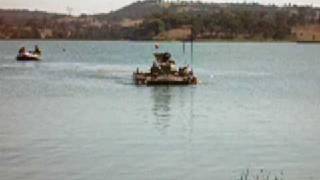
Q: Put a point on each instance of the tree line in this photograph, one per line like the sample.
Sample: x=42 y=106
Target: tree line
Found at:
x=227 y=23
x=231 y=24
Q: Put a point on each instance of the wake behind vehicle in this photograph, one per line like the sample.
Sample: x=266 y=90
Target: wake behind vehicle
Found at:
x=24 y=55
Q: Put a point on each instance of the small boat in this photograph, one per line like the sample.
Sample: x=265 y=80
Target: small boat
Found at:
x=23 y=55
x=28 y=57
x=165 y=72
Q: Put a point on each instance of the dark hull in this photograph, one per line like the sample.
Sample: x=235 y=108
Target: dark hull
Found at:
x=28 y=58
x=166 y=83
x=147 y=79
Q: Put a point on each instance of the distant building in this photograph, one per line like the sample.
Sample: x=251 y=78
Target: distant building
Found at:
x=309 y=33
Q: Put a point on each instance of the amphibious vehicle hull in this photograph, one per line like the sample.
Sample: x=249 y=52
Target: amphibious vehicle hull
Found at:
x=150 y=80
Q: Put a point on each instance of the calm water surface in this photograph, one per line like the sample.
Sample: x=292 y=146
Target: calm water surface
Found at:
x=76 y=115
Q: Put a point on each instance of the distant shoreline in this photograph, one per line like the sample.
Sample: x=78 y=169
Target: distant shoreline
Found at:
x=198 y=41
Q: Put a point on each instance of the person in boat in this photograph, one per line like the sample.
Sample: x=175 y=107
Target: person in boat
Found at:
x=22 y=50
x=155 y=69
x=37 y=50
x=157 y=46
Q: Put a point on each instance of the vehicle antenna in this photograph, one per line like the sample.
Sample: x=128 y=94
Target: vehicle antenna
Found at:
x=191 y=39
x=184 y=50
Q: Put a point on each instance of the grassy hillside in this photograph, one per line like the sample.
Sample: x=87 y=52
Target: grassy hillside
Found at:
x=136 y=10
x=146 y=20
x=14 y=17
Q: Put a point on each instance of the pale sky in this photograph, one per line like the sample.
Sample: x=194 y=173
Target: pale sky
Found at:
x=104 y=6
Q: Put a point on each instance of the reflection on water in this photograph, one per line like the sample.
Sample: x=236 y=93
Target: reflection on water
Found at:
x=161 y=107
x=182 y=99
x=190 y=115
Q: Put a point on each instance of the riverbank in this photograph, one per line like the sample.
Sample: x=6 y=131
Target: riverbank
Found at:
x=168 y=40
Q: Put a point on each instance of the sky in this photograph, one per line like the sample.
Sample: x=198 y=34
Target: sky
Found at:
x=104 y=6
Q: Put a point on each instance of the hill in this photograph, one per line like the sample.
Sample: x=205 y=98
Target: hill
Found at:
x=151 y=19
x=136 y=10
x=13 y=17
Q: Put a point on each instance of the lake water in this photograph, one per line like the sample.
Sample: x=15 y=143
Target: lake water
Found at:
x=77 y=115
